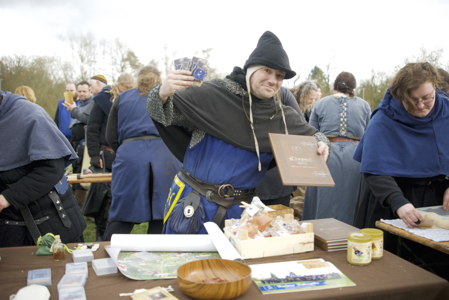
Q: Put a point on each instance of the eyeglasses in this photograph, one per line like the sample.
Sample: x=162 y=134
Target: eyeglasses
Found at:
x=425 y=102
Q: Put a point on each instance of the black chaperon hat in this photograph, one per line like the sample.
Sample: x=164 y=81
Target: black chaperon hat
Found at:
x=270 y=53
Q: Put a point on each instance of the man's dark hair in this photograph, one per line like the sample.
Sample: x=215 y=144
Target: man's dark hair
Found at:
x=84 y=82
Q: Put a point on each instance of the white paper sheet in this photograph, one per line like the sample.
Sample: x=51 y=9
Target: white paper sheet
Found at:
x=163 y=242
x=222 y=244
x=437 y=235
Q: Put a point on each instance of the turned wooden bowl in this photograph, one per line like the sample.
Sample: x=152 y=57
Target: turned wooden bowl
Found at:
x=214 y=279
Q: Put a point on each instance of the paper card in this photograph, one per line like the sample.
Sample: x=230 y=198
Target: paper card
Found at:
x=186 y=63
x=200 y=72
x=154 y=294
x=178 y=63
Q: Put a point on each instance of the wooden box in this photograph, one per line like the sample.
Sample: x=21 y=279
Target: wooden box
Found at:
x=273 y=246
x=280 y=210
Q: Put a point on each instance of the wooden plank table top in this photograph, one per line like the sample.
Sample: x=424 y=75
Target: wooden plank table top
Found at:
x=89 y=178
x=388 y=278
x=440 y=246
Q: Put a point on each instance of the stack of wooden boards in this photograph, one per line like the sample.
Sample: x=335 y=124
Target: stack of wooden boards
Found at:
x=331 y=234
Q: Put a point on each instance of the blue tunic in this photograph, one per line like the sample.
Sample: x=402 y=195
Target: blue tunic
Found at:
x=217 y=162
x=344 y=117
x=138 y=163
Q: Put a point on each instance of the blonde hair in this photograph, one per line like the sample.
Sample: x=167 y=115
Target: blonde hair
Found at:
x=27 y=92
x=302 y=92
x=124 y=82
x=147 y=79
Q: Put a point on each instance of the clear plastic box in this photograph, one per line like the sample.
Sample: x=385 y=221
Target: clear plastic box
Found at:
x=104 y=266
x=82 y=255
x=77 y=293
x=39 y=276
x=72 y=281
x=76 y=268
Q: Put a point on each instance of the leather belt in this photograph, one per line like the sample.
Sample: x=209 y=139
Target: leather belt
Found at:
x=60 y=209
x=140 y=138
x=341 y=139
x=224 y=196
x=23 y=223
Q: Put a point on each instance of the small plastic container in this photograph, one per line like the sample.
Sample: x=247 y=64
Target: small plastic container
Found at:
x=39 y=276
x=359 y=249
x=82 y=255
x=104 y=266
x=377 y=244
x=76 y=268
x=77 y=293
x=72 y=281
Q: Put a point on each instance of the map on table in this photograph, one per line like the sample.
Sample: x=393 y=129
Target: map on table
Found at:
x=157 y=265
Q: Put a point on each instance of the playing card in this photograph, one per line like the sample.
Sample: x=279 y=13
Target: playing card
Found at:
x=186 y=63
x=178 y=63
x=194 y=63
x=200 y=72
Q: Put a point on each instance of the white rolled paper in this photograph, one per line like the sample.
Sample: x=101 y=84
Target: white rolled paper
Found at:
x=222 y=244
x=163 y=242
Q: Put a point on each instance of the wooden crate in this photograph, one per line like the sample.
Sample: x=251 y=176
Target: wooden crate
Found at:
x=274 y=246
x=280 y=210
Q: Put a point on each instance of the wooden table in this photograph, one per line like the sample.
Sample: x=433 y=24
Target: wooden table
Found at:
x=440 y=246
x=388 y=278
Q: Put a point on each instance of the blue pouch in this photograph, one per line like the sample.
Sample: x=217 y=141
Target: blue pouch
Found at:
x=188 y=219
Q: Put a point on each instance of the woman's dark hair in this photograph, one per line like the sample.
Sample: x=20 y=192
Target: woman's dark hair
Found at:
x=443 y=80
x=345 y=83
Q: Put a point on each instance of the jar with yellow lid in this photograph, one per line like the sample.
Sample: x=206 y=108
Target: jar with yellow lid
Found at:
x=377 y=243
x=359 y=248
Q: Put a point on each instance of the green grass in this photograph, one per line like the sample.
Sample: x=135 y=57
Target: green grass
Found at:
x=89 y=232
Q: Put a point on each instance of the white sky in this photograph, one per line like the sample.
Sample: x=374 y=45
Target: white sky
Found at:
x=354 y=36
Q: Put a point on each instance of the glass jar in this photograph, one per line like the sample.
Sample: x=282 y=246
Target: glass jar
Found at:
x=377 y=243
x=359 y=248
x=58 y=249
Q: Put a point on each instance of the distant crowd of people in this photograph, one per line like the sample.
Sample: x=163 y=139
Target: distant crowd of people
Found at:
x=173 y=145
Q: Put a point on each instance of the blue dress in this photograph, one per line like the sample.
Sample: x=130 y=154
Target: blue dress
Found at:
x=138 y=163
x=341 y=116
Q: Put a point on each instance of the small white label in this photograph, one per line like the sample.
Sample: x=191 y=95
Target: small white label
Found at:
x=282 y=233
x=252 y=211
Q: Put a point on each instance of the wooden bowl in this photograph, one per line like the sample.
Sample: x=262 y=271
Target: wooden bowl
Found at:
x=193 y=279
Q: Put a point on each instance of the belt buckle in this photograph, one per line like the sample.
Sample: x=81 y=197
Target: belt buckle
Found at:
x=222 y=187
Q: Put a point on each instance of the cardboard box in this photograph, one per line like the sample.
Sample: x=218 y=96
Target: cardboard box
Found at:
x=273 y=246
x=280 y=210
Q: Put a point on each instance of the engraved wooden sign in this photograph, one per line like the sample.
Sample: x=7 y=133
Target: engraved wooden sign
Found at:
x=298 y=161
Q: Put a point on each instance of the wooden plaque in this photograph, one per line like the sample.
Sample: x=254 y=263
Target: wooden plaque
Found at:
x=298 y=161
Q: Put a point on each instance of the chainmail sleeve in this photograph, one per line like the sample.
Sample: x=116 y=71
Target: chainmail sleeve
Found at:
x=322 y=138
x=167 y=114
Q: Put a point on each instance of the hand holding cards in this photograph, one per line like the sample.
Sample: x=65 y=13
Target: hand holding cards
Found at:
x=198 y=67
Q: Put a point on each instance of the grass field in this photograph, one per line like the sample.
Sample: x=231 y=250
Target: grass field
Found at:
x=89 y=233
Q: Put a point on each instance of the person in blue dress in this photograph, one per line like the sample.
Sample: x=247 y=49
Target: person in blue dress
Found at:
x=220 y=132
x=143 y=169
x=343 y=118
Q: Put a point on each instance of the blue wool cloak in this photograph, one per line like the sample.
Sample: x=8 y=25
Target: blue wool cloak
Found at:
x=399 y=144
x=34 y=134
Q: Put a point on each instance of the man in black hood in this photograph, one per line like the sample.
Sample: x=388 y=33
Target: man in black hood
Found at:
x=220 y=133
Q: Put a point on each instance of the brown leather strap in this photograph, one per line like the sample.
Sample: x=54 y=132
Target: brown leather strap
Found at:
x=211 y=195
x=341 y=139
